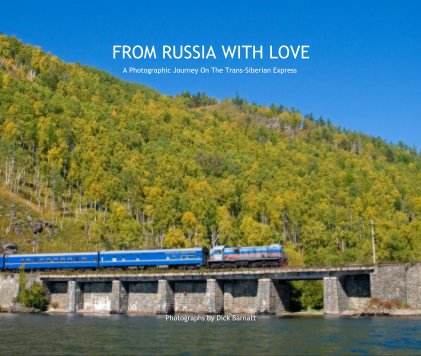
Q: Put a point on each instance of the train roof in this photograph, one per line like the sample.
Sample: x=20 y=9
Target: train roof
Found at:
x=192 y=249
x=55 y=254
x=221 y=247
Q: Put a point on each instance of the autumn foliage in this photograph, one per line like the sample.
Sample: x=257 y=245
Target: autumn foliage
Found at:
x=132 y=168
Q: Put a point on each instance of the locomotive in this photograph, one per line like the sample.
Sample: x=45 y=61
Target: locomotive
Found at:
x=218 y=257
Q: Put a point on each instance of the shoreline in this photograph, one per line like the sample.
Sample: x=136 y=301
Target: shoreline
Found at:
x=383 y=313
x=401 y=313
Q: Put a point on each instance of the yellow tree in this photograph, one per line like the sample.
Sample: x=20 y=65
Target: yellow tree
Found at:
x=192 y=228
x=226 y=228
x=255 y=233
x=175 y=238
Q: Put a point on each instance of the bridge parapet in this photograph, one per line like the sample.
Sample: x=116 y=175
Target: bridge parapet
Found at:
x=254 y=274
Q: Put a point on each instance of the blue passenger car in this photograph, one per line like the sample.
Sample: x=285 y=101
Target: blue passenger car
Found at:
x=52 y=261
x=159 y=257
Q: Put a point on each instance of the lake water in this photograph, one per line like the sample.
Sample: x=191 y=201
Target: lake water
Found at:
x=23 y=334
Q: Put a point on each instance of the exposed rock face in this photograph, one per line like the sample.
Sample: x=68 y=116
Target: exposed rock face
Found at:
x=39 y=226
x=7 y=247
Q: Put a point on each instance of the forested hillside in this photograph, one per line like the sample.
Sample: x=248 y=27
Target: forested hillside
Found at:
x=102 y=163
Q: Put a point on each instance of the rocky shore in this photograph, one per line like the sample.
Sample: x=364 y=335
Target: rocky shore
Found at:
x=19 y=308
x=381 y=307
x=396 y=312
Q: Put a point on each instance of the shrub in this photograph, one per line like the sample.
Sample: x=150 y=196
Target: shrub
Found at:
x=33 y=297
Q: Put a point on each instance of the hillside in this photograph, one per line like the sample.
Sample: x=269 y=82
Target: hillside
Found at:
x=103 y=164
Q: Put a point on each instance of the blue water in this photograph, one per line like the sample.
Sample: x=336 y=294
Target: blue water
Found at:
x=127 y=335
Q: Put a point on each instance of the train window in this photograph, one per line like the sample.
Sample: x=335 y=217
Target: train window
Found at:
x=76 y=259
x=191 y=255
x=69 y=259
x=62 y=259
x=183 y=257
x=41 y=260
x=173 y=257
x=56 y=260
x=22 y=260
x=48 y=259
x=28 y=260
x=114 y=259
x=84 y=259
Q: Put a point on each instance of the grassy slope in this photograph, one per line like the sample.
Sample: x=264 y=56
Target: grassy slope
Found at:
x=17 y=215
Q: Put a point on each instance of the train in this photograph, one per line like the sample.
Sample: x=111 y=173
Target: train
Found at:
x=182 y=258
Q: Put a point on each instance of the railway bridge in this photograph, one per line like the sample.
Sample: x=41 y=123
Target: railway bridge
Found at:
x=247 y=291
x=255 y=291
